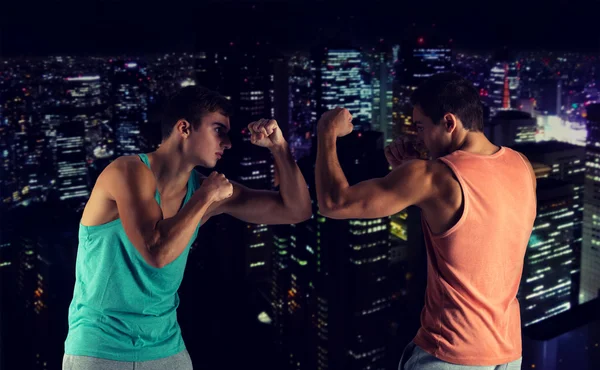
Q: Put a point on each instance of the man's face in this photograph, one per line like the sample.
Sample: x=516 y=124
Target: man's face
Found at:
x=208 y=142
x=434 y=137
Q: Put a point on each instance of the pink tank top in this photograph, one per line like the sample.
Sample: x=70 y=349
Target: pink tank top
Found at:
x=471 y=314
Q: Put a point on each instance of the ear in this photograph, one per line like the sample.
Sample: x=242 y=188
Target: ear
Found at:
x=450 y=122
x=183 y=128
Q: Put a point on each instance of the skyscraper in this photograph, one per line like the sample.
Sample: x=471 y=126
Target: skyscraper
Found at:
x=340 y=83
x=382 y=78
x=26 y=167
x=422 y=59
x=80 y=110
x=550 y=96
x=567 y=163
x=510 y=127
x=247 y=78
x=352 y=290
x=545 y=289
x=302 y=103
x=590 y=254
x=338 y=295
x=130 y=106
x=503 y=86
x=72 y=182
x=419 y=59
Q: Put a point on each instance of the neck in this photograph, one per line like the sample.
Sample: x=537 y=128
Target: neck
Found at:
x=170 y=169
x=474 y=142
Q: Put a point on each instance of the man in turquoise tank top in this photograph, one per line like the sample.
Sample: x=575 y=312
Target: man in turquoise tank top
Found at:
x=137 y=227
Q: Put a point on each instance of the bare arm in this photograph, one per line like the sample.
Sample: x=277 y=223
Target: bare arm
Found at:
x=159 y=241
x=290 y=205
x=408 y=184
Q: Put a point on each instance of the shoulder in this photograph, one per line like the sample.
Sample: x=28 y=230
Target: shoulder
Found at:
x=129 y=165
x=125 y=171
x=414 y=171
x=529 y=167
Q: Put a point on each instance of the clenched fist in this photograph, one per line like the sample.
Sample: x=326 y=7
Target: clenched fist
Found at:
x=217 y=187
x=400 y=151
x=336 y=122
x=266 y=133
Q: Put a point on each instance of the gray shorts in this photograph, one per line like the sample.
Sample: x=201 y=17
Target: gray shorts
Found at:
x=415 y=358
x=180 y=361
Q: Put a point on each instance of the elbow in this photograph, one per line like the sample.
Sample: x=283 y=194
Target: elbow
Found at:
x=331 y=209
x=154 y=256
x=304 y=214
x=159 y=263
x=298 y=215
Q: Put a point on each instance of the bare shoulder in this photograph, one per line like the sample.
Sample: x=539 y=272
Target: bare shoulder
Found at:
x=123 y=173
x=416 y=177
x=413 y=172
x=440 y=172
x=445 y=186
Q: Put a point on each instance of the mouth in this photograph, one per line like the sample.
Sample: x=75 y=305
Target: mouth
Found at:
x=219 y=155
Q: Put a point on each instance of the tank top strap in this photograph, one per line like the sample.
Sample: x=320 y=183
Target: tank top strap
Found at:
x=144 y=158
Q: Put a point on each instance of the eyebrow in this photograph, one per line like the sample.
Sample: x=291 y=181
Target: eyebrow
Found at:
x=222 y=125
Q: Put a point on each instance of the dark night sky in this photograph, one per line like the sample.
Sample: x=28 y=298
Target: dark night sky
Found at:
x=100 y=26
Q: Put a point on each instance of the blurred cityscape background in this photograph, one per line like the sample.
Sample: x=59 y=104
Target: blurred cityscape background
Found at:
x=323 y=294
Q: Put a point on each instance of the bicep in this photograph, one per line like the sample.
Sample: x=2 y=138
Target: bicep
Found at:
x=405 y=186
x=132 y=188
x=252 y=206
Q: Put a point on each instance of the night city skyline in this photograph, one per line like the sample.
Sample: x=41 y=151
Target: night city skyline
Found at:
x=81 y=85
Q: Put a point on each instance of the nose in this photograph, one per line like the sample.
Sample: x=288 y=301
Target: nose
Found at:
x=226 y=143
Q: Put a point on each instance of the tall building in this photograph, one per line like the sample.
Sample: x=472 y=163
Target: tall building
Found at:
x=549 y=101
x=511 y=127
x=382 y=79
x=246 y=75
x=545 y=289
x=41 y=300
x=340 y=83
x=302 y=315
x=419 y=59
x=423 y=59
x=72 y=179
x=590 y=254
x=302 y=104
x=352 y=291
x=335 y=272
x=503 y=87
x=26 y=167
x=130 y=106
x=567 y=163
x=81 y=108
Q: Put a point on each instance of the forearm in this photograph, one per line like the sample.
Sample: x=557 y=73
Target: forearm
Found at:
x=330 y=178
x=172 y=235
x=292 y=185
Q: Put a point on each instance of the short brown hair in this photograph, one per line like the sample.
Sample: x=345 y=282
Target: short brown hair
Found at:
x=192 y=103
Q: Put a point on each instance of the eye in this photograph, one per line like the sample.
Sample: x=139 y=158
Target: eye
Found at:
x=218 y=129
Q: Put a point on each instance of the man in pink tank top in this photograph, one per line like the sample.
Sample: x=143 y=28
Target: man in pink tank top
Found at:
x=478 y=206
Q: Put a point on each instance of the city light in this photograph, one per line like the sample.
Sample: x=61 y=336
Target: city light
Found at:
x=316 y=293
x=83 y=78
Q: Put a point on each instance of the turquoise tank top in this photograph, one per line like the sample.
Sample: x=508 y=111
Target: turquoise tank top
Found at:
x=123 y=309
